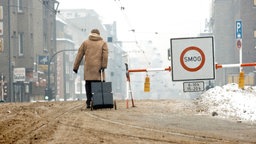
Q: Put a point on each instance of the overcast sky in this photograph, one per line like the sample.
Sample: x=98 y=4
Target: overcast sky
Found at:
x=169 y=17
x=154 y=20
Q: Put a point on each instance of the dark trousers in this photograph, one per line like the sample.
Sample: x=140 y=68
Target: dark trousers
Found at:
x=88 y=88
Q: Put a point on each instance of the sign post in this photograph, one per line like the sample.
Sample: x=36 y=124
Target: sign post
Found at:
x=239 y=36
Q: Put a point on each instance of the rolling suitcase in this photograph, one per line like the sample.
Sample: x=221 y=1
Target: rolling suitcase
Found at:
x=102 y=96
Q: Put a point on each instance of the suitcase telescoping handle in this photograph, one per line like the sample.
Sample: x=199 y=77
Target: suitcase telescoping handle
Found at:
x=101 y=74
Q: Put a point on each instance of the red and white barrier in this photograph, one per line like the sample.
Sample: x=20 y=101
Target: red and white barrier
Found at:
x=150 y=70
x=217 y=66
x=234 y=65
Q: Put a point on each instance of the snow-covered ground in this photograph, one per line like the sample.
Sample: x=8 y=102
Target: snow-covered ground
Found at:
x=230 y=102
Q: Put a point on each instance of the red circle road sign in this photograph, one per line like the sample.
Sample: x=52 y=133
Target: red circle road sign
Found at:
x=202 y=59
x=239 y=43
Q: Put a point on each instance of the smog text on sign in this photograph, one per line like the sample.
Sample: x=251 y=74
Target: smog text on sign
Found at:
x=192 y=59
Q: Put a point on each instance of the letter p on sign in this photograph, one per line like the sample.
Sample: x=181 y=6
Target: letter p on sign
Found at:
x=239 y=29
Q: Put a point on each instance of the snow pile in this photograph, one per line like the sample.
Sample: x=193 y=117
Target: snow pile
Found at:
x=230 y=102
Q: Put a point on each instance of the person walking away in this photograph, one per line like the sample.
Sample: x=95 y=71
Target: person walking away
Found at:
x=95 y=53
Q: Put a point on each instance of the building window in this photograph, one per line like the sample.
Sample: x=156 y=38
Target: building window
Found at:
x=67 y=88
x=21 y=46
x=45 y=46
x=67 y=67
x=20 y=6
x=45 y=2
x=1 y=13
x=1 y=45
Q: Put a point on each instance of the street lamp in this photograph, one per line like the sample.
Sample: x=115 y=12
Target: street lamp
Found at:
x=48 y=90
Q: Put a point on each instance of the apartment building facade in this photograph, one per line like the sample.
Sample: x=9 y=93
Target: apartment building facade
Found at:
x=28 y=38
x=225 y=14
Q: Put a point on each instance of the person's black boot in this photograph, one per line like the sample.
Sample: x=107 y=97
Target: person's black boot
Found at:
x=88 y=103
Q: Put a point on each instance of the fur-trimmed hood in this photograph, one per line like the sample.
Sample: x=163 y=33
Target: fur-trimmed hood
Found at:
x=94 y=37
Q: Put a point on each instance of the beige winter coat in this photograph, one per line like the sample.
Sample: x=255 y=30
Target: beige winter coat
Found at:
x=95 y=53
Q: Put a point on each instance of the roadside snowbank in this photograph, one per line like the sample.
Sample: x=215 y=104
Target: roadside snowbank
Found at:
x=229 y=101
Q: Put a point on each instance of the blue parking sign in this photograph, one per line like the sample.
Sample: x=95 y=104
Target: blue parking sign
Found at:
x=239 y=29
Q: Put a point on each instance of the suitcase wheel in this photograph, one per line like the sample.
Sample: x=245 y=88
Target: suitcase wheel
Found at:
x=115 y=104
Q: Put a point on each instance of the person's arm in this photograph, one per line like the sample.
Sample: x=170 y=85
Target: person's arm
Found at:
x=79 y=58
x=104 y=55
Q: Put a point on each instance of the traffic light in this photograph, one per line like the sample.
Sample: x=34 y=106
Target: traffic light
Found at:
x=48 y=94
x=2 y=78
x=5 y=87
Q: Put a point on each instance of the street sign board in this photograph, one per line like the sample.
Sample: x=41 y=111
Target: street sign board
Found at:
x=43 y=60
x=239 y=43
x=195 y=86
x=239 y=29
x=19 y=74
x=192 y=58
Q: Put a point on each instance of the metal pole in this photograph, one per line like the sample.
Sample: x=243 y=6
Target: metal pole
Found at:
x=241 y=49
x=2 y=87
x=10 y=89
x=240 y=58
x=48 y=91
